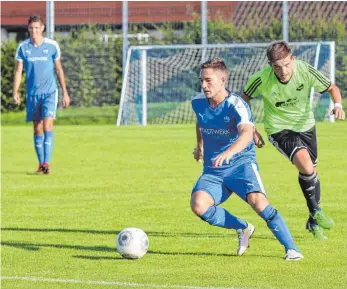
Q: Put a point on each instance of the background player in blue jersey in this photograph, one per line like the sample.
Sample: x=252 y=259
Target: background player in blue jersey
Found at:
x=40 y=57
x=225 y=143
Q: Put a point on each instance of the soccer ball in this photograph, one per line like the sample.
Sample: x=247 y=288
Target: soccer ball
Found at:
x=132 y=243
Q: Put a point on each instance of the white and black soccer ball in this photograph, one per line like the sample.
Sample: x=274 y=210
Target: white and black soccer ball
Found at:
x=132 y=243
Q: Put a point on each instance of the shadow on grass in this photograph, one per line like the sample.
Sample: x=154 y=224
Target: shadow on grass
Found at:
x=98 y=257
x=149 y=233
x=176 y=254
x=37 y=247
x=29 y=173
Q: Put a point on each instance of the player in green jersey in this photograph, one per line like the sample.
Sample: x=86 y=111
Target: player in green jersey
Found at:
x=285 y=85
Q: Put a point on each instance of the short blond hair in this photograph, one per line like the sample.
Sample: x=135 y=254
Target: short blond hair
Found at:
x=215 y=63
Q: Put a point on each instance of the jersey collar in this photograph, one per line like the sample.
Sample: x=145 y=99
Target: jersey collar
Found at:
x=33 y=44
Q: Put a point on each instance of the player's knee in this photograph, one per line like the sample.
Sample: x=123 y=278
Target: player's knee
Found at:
x=257 y=201
x=307 y=170
x=303 y=162
x=199 y=207
x=200 y=202
x=48 y=124
x=209 y=216
x=38 y=127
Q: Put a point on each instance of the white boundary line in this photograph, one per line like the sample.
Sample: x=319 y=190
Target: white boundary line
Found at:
x=52 y=280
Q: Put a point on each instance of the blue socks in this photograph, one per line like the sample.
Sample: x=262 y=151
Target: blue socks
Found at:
x=279 y=228
x=217 y=216
x=48 y=146
x=38 y=141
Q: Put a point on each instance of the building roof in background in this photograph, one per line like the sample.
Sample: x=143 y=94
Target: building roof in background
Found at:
x=267 y=10
x=110 y=12
x=16 y=13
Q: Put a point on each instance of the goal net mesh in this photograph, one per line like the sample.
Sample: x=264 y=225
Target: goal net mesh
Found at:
x=159 y=82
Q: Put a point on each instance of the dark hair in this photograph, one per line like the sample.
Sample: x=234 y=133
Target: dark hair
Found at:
x=34 y=18
x=216 y=63
x=278 y=50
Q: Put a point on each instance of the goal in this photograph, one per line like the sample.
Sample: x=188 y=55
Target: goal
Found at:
x=159 y=81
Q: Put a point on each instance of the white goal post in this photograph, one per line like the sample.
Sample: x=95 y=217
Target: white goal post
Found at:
x=160 y=80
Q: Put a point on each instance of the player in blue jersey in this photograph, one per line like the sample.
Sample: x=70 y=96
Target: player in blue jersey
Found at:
x=225 y=144
x=40 y=58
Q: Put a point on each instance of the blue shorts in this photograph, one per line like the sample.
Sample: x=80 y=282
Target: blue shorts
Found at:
x=220 y=183
x=41 y=106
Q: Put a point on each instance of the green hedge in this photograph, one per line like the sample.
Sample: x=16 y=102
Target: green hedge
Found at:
x=71 y=115
x=8 y=63
x=93 y=68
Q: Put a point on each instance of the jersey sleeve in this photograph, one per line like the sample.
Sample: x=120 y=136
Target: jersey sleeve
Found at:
x=19 y=54
x=251 y=88
x=317 y=80
x=242 y=112
x=56 y=55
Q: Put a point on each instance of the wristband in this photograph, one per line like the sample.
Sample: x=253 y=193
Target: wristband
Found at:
x=337 y=105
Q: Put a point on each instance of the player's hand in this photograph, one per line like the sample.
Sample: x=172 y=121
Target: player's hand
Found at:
x=338 y=113
x=66 y=100
x=16 y=98
x=224 y=156
x=198 y=154
x=258 y=139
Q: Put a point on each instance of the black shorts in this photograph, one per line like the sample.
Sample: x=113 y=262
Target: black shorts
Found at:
x=289 y=142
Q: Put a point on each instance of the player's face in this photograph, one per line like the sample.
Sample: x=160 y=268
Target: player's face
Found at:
x=283 y=68
x=212 y=82
x=36 y=30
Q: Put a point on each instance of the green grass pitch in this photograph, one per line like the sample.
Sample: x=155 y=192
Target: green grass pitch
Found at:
x=59 y=231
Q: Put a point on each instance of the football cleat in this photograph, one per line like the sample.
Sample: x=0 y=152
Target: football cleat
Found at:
x=317 y=231
x=323 y=220
x=45 y=168
x=244 y=236
x=293 y=255
x=39 y=170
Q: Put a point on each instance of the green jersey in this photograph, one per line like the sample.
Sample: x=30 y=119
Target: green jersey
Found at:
x=287 y=105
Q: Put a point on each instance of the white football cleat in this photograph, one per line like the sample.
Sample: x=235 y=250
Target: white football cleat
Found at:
x=244 y=236
x=293 y=255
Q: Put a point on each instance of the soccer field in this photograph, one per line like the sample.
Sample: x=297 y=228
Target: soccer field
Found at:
x=59 y=231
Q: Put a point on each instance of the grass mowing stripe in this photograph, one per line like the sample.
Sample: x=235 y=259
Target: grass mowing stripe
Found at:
x=52 y=280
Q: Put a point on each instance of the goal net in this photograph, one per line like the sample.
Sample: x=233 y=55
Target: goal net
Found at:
x=160 y=81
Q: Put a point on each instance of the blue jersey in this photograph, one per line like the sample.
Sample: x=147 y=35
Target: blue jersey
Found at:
x=39 y=65
x=219 y=127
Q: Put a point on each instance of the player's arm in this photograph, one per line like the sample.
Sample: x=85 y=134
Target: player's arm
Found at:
x=16 y=81
x=322 y=84
x=198 y=152
x=335 y=94
x=61 y=78
x=244 y=139
x=258 y=139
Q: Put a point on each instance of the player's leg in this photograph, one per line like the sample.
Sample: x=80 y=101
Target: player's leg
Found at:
x=309 y=139
x=48 y=143
x=38 y=142
x=49 y=111
x=247 y=184
x=308 y=184
x=307 y=178
x=291 y=145
x=275 y=222
x=33 y=114
x=207 y=194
